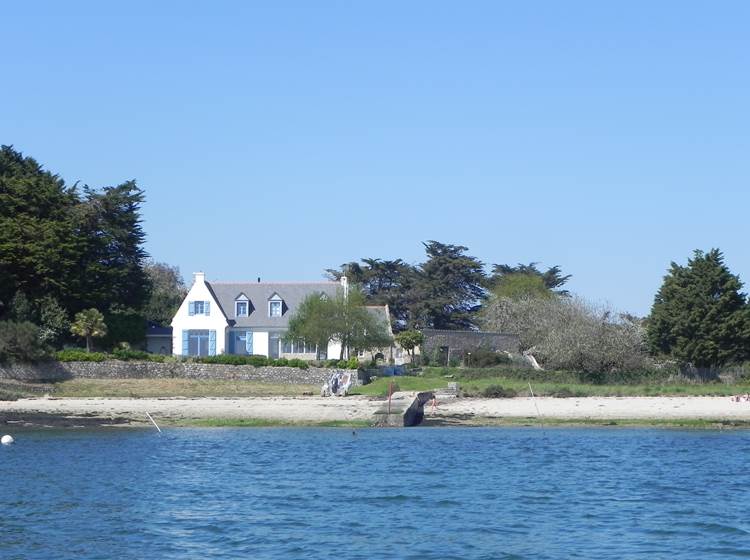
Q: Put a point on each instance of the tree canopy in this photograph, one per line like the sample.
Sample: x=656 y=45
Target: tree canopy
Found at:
x=64 y=248
x=343 y=318
x=699 y=314
x=552 y=278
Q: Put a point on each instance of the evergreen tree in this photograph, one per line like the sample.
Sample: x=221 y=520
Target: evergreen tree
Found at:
x=552 y=278
x=700 y=315
x=448 y=289
x=167 y=292
x=37 y=249
x=382 y=282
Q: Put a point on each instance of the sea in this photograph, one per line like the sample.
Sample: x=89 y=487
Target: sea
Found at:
x=413 y=493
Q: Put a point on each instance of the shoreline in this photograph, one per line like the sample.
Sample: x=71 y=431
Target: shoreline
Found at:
x=359 y=412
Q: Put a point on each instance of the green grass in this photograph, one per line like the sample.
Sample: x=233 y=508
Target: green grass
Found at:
x=265 y=423
x=175 y=387
x=475 y=387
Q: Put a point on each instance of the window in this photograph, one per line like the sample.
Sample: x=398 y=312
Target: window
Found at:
x=274 y=309
x=199 y=308
x=286 y=346
x=241 y=308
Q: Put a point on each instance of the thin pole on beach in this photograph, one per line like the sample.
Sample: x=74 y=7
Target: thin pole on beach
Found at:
x=533 y=398
x=152 y=421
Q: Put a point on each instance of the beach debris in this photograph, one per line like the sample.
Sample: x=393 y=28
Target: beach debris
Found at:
x=338 y=384
x=7 y=439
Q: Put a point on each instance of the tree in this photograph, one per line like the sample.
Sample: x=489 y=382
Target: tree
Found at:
x=552 y=278
x=699 y=314
x=519 y=285
x=20 y=341
x=167 y=292
x=382 y=282
x=110 y=248
x=448 y=289
x=37 y=235
x=83 y=248
x=571 y=334
x=89 y=324
x=409 y=340
x=343 y=318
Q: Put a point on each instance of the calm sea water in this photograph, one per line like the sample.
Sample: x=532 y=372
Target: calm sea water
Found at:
x=413 y=493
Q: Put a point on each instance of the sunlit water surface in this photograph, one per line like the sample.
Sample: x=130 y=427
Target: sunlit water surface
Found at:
x=388 y=493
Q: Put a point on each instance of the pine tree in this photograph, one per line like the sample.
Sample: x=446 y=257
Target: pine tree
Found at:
x=700 y=315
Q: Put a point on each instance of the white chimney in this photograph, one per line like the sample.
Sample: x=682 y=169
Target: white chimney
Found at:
x=199 y=277
x=345 y=285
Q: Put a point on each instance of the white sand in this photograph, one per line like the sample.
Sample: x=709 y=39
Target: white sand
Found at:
x=596 y=408
x=317 y=409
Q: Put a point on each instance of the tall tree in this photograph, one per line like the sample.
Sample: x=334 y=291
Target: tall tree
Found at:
x=37 y=238
x=552 y=278
x=111 y=250
x=699 y=313
x=167 y=292
x=81 y=248
x=382 y=282
x=448 y=289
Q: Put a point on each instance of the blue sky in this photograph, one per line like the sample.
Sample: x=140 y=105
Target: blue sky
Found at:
x=279 y=139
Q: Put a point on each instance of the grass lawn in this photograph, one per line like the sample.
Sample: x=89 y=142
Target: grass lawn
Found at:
x=144 y=388
x=475 y=387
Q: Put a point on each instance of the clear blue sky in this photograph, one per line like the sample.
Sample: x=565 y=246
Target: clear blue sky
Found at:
x=278 y=139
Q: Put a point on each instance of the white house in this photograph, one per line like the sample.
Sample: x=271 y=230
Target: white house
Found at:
x=245 y=318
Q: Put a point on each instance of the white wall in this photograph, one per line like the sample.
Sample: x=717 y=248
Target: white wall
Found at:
x=184 y=321
x=260 y=343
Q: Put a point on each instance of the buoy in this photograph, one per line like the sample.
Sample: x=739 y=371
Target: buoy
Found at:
x=7 y=440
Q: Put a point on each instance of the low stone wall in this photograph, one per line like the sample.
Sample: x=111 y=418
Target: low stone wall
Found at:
x=60 y=371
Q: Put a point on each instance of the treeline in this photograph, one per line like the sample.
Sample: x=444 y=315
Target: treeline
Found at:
x=700 y=318
x=69 y=248
x=447 y=290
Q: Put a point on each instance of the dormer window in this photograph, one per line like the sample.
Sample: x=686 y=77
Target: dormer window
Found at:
x=275 y=306
x=241 y=306
x=274 y=309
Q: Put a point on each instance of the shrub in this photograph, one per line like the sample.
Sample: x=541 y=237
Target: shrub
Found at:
x=482 y=358
x=498 y=392
x=22 y=342
x=79 y=355
x=126 y=354
x=352 y=363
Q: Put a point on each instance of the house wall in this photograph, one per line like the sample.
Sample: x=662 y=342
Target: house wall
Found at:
x=260 y=342
x=214 y=321
x=154 y=344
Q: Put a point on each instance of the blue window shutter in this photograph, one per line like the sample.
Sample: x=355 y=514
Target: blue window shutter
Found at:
x=191 y=308
x=185 y=343
x=230 y=343
x=212 y=343
x=249 y=342
x=207 y=307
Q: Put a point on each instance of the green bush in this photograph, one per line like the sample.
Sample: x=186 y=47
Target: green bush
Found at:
x=126 y=355
x=21 y=342
x=498 y=392
x=78 y=355
x=482 y=358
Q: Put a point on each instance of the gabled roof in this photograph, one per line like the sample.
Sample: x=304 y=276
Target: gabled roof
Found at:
x=259 y=293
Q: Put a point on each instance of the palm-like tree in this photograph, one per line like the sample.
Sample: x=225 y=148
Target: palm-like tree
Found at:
x=88 y=324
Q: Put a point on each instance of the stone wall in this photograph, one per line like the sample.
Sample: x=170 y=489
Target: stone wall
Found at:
x=59 y=371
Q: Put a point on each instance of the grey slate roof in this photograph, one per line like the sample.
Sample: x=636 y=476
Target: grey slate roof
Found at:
x=259 y=293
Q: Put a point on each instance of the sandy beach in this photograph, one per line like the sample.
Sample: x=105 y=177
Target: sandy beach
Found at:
x=315 y=410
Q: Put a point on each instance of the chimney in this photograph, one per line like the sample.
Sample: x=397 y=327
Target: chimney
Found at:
x=345 y=284
x=199 y=277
